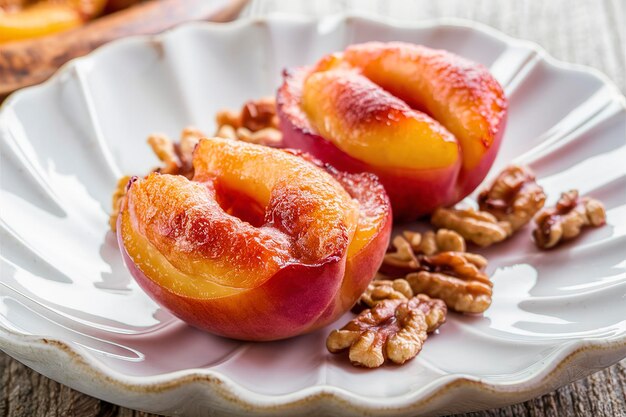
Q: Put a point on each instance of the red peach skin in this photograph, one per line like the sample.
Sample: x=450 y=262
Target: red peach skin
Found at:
x=286 y=305
x=330 y=112
x=228 y=272
x=364 y=254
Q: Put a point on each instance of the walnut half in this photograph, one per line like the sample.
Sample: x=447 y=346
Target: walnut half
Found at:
x=259 y=114
x=116 y=201
x=455 y=277
x=514 y=196
x=431 y=242
x=385 y=289
x=479 y=227
x=256 y=122
x=410 y=244
x=401 y=260
x=176 y=157
x=566 y=220
x=393 y=330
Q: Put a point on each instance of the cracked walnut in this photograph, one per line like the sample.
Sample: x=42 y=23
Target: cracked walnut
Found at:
x=455 y=277
x=514 y=197
x=479 y=227
x=385 y=289
x=393 y=330
x=566 y=220
x=256 y=122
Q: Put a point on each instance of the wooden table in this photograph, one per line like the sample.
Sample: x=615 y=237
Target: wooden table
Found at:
x=589 y=32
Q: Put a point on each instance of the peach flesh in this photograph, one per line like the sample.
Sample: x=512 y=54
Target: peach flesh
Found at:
x=461 y=94
x=374 y=126
x=308 y=215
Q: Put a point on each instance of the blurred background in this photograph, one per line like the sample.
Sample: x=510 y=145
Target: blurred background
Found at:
x=588 y=32
x=37 y=36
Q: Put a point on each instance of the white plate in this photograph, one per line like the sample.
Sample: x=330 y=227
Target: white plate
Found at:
x=70 y=310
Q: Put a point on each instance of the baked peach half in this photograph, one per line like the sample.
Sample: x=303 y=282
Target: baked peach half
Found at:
x=427 y=122
x=261 y=244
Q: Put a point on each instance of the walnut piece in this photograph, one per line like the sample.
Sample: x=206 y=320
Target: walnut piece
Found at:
x=479 y=227
x=177 y=157
x=434 y=264
x=163 y=148
x=227 y=132
x=380 y=290
x=455 y=277
x=267 y=136
x=228 y=118
x=256 y=122
x=566 y=220
x=393 y=330
x=431 y=242
x=407 y=246
x=403 y=258
x=116 y=201
x=514 y=197
x=259 y=114
x=189 y=138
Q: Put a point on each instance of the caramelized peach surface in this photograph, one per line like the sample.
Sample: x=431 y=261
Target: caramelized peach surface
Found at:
x=427 y=122
x=261 y=244
x=373 y=125
x=461 y=94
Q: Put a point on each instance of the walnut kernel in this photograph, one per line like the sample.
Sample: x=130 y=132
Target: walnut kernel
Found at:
x=479 y=227
x=189 y=138
x=116 y=201
x=393 y=330
x=256 y=122
x=228 y=118
x=267 y=136
x=177 y=157
x=514 y=197
x=403 y=257
x=566 y=220
x=259 y=114
x=431 y=242
x=455 y=277
x=380 y=290
x=227 y=132
x=163 y=148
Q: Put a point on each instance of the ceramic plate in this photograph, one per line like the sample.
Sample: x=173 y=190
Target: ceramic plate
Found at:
x=70 y=310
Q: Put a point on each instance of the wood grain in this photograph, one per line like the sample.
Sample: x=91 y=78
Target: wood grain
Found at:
x=589 y=32
x=32 y=61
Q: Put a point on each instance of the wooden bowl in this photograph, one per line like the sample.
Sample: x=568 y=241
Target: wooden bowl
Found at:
x=32 y=61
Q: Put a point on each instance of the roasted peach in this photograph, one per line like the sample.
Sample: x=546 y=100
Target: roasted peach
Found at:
x=427 y=122
x=261 y=244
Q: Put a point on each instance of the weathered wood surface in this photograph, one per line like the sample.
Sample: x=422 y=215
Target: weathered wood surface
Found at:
x=589 y=32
